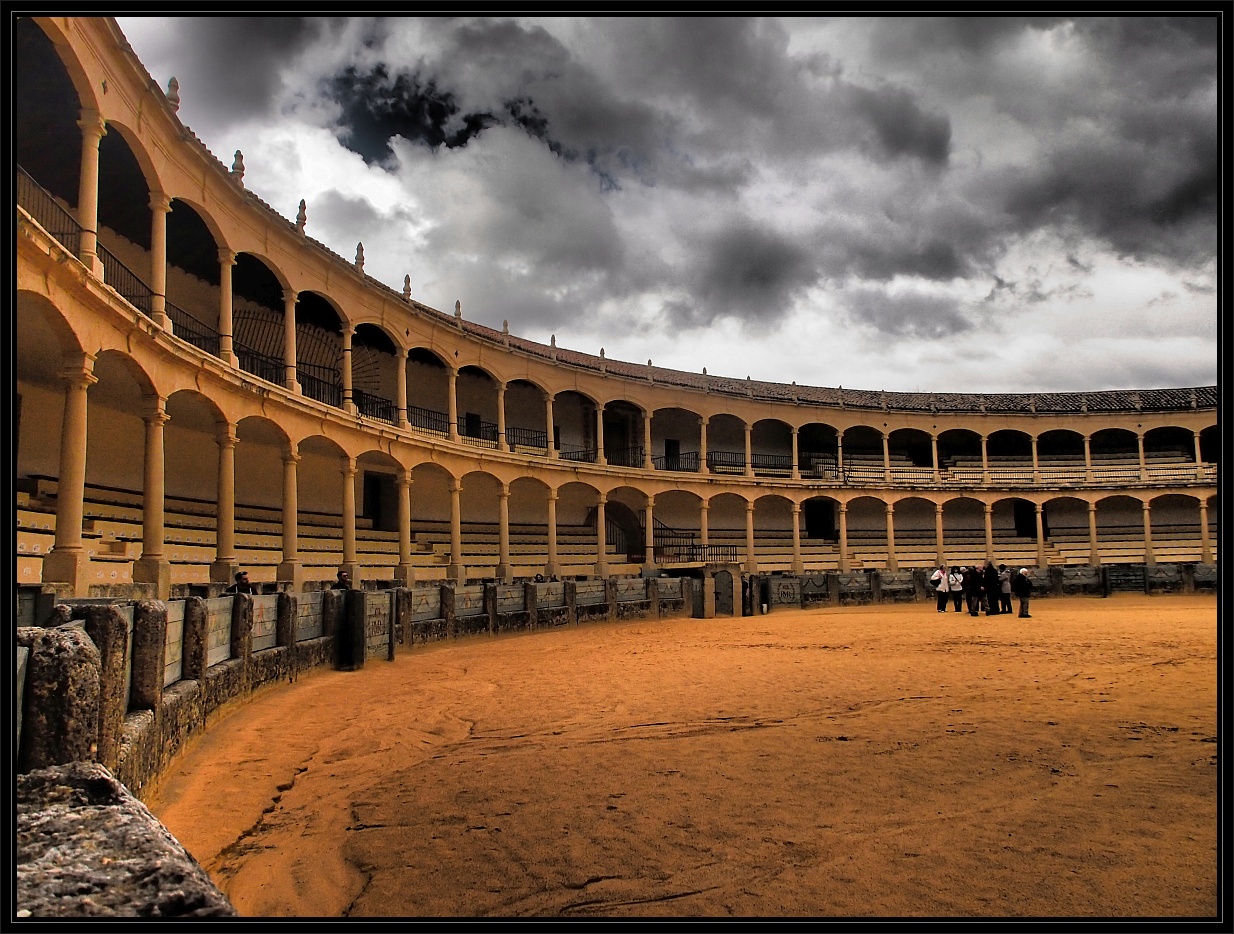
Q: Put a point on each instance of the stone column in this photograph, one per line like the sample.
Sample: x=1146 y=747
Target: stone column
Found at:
x=289 y=339
x=550 y=569
x=405 y=573
x=92 y=130
x=649 y=544
x=934 y=455
x=503 y=534
x=796 y=468
x=703 y=422
x=1139 y=442
x=1199 y=463
x=1036 y=465
x=227 y=353
x=400 y=357
x=153 y=567
x=886 y=457
x=647 y=465
x=1088 y=460
x=601 y=537
x=1206 y=550
x=349 y=402
x=749 y=431
x=550 y=447
x=985 y=461
x=940 y=549
x=160 y=206
x=502 y=444
x=456 y=571
x=798 y=565
x=289 y=569
x=1150 y=556
x=843 y=510
x=840 y=453
x=67 y=561
x=347 y=467
x=1040 y=509
x=988 y=508
x=751 y=556
x=452 y=403
x=225 y=564
x=1094 y=554
x=600 y=459
x=892 y=563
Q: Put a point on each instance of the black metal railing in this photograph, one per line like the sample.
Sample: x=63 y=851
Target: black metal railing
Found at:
x=726 y=461
x=477 y=429
x=125 y=281
x=570 y=453
x=818 y=465
x=779 y=464
x=188 y=328
x=625 y=457
x=527 y=437
x=267 y=368
x=685 y=461
x=428 y=420
x=50 y=215
x=322 y=383
x=371 y=406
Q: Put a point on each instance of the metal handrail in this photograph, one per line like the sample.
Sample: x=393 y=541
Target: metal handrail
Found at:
x=428 y=420
x=41 y=205
x=377 y=407
x=261 y=366
x=126 y=282
x=625 y=457
x=482 y=430
x=195 y=332
x=527 y=437
x=587 y=455
x=315 y=387
x=726 y=461
x=686 y=461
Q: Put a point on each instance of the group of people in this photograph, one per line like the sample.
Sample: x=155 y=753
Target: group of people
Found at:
x=988 y=589
x=243 y=585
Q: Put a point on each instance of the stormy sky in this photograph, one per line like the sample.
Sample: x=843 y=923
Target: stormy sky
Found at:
x=914 y=204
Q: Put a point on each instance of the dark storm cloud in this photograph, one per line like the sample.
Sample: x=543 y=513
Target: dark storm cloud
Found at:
x=252 y=52
x=746 y=272
x=901 y=127
x=912 y=316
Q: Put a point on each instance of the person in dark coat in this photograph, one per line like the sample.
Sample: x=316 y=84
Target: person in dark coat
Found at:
x=972 y=590
x=242 y=584
x=992 y=588
x=1022 y=587
x=343 y=581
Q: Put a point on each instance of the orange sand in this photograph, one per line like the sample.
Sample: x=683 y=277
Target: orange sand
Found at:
x=883 y=761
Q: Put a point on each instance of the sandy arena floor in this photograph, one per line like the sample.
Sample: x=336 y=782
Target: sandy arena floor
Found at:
x=885 y=761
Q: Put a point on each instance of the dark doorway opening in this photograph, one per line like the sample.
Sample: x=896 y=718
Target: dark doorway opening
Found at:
x=820 y=515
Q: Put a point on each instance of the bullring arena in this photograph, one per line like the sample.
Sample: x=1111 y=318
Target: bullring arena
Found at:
x=624 y=640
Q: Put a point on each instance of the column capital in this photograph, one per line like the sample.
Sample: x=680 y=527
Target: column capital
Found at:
x=404 y=477
x=988 y=507
x=796 y=508
x=889 y=507
x=456 y=485
x=749 y=506
x=81 y=374
x=347 y=465
x=601 y=499
x=938 y=509
x=291 y=453
x=505 y=491
x=227 y=257
x=290 y=296
x=160 y=202
x=553 y=496
x=92 y=123
x=225 y=434
x=156 y=409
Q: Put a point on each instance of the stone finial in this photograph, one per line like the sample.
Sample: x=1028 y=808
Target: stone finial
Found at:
x=360 y=257
x=1032 y=404
x=237 y=167
x=301 y=216
x=552 y=340
x=704 y=371
x=173 y=94
x=1194 y=400
x=458 y=308
x=505 y=325
x=601 y=353
x=406 y=288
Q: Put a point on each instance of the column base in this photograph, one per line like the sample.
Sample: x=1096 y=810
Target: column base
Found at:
x=503 y=572
x=291 y=574
x=70 y=568
x=405 y=574
x=224 y=572
x=552 y=569
x=600 y=569
x=456 y=572
x=156 y=571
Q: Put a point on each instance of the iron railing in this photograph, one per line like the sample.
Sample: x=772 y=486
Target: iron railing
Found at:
x=527 y=438
x=726 y=461
x=686 y=461
x=371 y=406
x=625 y=457
x=424 y=419
x=321 y=383
x=188 y=328
x=47 y=211
x=477 y=429
x=126 y=282
x=261 y=366
x=570 y=453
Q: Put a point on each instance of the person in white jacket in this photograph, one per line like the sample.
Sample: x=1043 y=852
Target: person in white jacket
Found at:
x=942 y=588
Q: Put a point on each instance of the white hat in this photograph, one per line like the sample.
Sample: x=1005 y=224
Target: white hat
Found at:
x=1024 y=571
